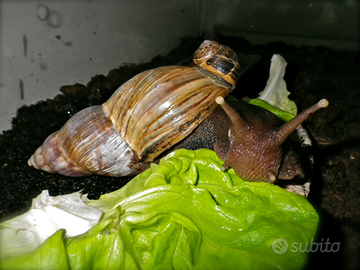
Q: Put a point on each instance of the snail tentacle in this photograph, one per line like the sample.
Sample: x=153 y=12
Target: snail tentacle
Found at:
x=284 y=131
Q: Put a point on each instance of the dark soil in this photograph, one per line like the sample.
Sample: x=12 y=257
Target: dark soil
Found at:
x=312 y=73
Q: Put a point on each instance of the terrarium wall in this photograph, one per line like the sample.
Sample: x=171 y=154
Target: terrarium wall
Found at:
x=47 y=44
x=333 y=23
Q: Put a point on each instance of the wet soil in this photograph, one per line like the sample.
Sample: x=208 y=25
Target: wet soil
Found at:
x=312 y=73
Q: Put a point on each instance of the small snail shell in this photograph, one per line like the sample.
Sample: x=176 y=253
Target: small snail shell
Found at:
x=144 y=117
x=219 y=60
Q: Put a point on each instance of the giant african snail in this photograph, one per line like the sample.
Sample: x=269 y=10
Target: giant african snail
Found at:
x=144 y=117
x=168 y=108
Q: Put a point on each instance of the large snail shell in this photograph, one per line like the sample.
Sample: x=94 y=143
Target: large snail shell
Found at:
x=160 y=107
x=144 y=117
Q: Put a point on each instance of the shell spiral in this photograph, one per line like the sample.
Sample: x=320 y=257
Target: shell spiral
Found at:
x=144 y=117
x=87 y=144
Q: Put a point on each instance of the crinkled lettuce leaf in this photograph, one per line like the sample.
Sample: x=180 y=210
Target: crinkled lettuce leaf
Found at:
x=47 y=215
x=184 y=213
x=50 y=255
x=275 y=92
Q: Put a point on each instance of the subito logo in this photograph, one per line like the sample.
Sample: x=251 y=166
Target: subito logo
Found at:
x=279 y=246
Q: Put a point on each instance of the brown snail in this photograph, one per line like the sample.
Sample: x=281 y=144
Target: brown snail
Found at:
x=173 y=107
x=144 y=117
x=257 y=142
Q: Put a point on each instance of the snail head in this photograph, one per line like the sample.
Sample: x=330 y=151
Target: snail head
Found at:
x=255 y=150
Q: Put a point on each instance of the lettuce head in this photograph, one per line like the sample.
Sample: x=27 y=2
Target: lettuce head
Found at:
x=185 y=213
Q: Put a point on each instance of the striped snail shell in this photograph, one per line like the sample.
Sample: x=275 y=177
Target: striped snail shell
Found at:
x=144 y=117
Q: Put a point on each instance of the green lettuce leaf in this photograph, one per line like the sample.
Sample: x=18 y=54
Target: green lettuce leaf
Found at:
x=50 y=255
x=47 y=214
x=283 y=115
x=185 y=213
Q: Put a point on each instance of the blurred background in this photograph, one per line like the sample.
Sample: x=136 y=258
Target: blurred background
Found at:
x=47 y=44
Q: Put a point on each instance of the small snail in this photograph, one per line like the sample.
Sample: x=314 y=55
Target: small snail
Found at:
x=146 y=116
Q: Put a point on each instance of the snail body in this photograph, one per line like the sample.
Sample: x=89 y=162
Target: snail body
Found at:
x=144 y=117
x=254 y=148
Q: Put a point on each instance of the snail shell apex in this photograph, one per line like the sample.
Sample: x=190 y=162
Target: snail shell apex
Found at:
x=219 y=60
